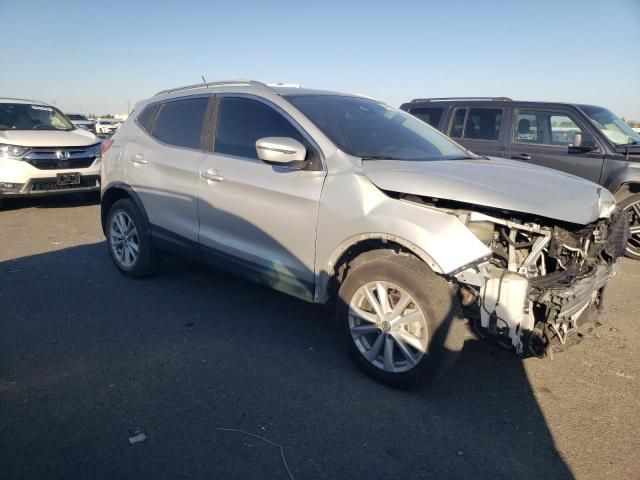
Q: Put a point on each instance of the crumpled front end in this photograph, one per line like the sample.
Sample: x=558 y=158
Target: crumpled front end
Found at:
x=543 y=278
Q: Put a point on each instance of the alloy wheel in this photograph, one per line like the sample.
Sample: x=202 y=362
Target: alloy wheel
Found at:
x=387 y=326
x=633 y=246
x=124 y=239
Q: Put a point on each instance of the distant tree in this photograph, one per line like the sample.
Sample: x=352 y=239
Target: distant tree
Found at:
x=108 y=115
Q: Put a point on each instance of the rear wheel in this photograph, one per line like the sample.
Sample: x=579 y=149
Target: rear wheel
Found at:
x=129 y=240
x=632 y=206
x=400 y=321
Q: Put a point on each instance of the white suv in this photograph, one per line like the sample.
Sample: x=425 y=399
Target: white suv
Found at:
x=343 y=200
x=43 y=153
x=106 y=127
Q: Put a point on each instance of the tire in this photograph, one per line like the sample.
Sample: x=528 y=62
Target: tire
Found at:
x=439 y=327
x=122 y=213
x=632 y=205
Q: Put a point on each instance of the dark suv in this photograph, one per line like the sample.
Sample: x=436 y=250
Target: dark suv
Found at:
x=584 y=140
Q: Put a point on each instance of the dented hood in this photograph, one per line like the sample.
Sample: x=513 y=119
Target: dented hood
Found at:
x=496 y=182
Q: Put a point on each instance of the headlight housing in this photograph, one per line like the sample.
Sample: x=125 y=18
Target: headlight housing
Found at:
x=96 y=150
x=12 y=152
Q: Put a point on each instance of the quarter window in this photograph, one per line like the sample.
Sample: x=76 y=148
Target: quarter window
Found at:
x=145 y=117
x=544 y=128
x=431 y=116
x=179 y=122
x=242 y=121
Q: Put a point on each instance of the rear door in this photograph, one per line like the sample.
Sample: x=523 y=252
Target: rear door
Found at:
x=258 y=219
x=542 y=136
x=480 y=129
x=162 y=166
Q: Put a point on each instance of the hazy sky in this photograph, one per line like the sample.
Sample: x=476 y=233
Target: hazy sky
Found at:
x=93 y=56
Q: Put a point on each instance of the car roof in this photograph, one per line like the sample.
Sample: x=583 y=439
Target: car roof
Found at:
x=489 y=101
x=23 y=101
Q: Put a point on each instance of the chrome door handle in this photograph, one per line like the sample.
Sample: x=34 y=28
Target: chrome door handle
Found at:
x=521 y=156
x=139 y=159
x=211 y=176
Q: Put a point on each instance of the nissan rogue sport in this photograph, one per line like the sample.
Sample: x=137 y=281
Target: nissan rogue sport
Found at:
x=43 y=153
x=342 y=200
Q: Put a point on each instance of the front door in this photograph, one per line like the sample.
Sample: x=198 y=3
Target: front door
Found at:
x=543 y=137
x=258 y=219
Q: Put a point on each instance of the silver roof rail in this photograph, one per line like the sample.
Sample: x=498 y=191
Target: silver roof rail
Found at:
x=443 y=99
x=224 y=83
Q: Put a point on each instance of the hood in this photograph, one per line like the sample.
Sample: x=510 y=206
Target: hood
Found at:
x=498 y=183
x=48 y=138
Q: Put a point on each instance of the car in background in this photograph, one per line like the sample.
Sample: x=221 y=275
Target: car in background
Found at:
x=343 y=200
x=81 y=121
x=584 y=140
x=43 y=153
x=106 y=127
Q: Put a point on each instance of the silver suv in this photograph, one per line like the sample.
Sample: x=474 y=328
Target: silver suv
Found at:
x=342 y=200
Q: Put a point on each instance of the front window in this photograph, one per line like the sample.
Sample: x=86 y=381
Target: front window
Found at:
x=24 y=116
x=612 y=127
x=372 y=130
x=544 y=128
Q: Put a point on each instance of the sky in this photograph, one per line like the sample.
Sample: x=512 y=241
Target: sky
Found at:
x=94 y=57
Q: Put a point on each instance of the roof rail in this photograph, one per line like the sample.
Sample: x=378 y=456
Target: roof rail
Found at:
x=442 y=99
x=224 y=83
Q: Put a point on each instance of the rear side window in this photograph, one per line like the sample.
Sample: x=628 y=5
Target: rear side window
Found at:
x=179 y=122
x=145 y=117
x=483 y=124
x=476 y=123
x=242 y=121
x=431 y=116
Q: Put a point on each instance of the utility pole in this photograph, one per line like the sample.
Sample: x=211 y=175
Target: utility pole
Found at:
x=128 y=108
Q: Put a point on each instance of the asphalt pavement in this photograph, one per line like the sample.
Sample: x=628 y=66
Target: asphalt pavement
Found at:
x=197 y=374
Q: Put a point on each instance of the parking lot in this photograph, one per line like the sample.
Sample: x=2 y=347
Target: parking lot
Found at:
x=90 y=359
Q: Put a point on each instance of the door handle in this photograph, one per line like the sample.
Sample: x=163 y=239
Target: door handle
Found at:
x=521 y=156
x=211 y=175
x=139 y=159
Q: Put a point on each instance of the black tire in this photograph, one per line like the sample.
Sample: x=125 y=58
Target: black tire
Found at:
x=441 y=309
x=147 y=258
x=628 y=203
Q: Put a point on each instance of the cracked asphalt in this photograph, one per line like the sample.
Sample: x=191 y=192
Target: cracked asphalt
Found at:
x=90 y=359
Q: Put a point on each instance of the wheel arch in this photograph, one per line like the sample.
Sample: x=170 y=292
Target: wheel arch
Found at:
x=114 y=192
x=359 y=246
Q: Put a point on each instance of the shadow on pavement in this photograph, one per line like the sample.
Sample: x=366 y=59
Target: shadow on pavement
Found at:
x=88 y=358
x=56 y=201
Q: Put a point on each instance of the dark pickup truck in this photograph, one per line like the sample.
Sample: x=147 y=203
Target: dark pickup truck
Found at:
x=585 y=140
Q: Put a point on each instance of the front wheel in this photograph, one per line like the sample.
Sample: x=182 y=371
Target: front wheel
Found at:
x=400 y=321
x=632 y=205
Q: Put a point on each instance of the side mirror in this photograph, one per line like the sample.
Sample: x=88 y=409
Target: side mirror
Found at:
x=282 y=151
x=84 y=127
x=583 y=142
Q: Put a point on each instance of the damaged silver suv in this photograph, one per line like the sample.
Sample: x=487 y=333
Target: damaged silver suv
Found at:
x=343 y=200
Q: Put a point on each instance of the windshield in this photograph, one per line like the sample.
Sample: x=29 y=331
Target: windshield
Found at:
x=615 y=129
x=72 y=116
x=24 y=116
x=372 y=130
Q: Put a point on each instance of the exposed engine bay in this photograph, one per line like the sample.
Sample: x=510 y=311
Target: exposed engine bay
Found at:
x=543 y=277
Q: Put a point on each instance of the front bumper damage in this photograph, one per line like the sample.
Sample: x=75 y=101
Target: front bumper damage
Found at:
x=543 y=280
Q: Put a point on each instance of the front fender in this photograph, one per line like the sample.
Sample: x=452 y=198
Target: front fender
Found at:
x=353 y=209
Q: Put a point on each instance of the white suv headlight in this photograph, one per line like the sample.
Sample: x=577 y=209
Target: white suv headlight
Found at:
x=12 y=152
